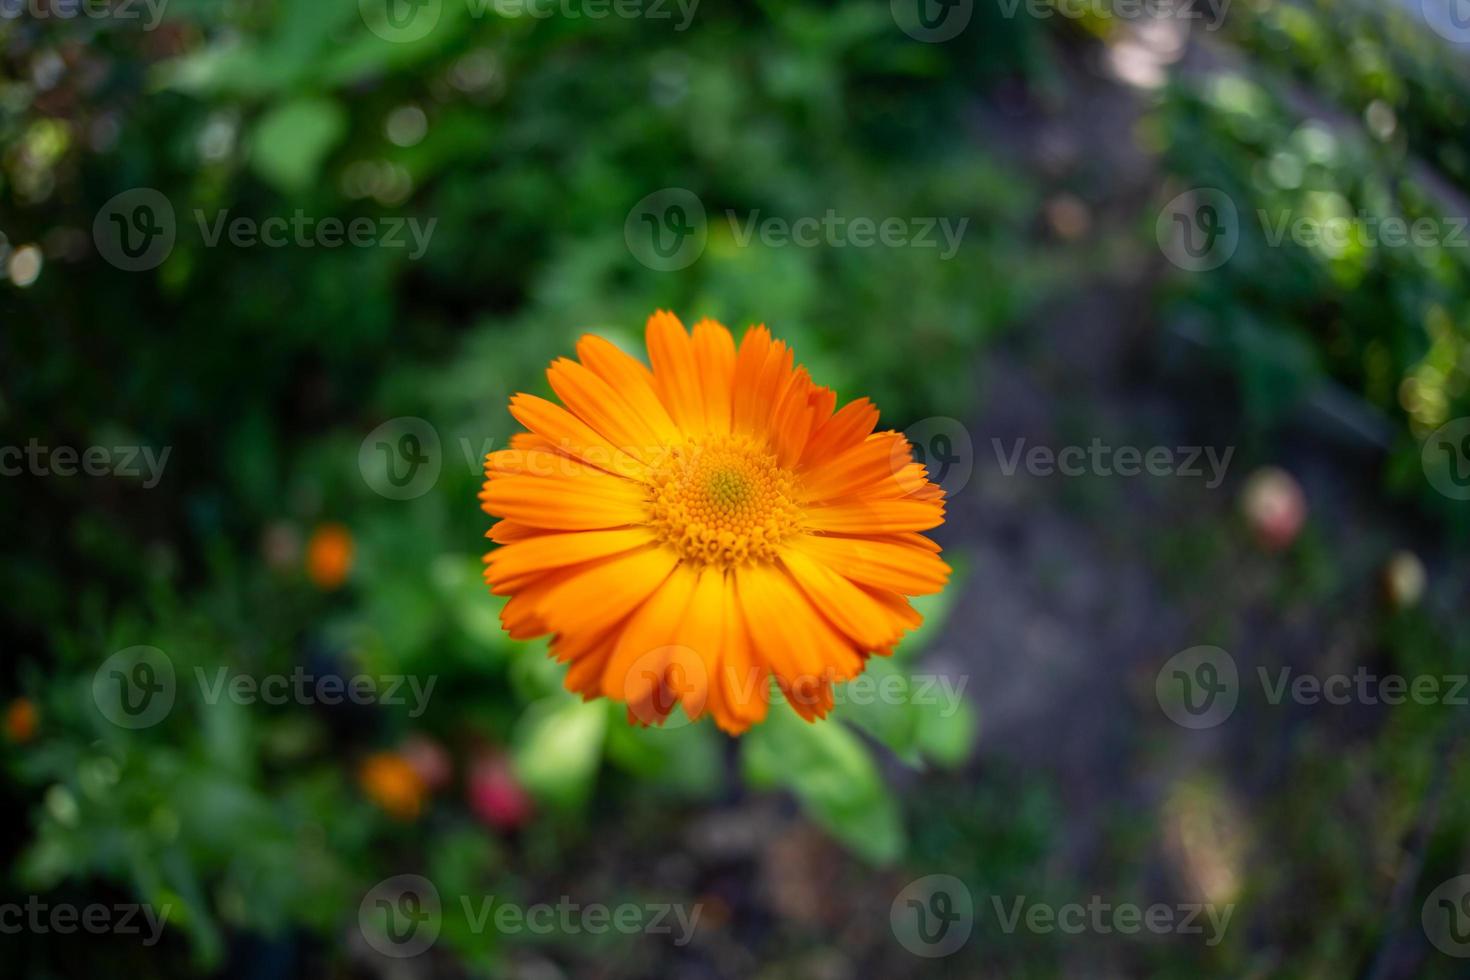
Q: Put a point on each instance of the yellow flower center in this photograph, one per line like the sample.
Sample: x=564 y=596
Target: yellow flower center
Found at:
x=723 y=501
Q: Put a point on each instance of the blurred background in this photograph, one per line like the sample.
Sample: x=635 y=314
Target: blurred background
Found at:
x=269 y=272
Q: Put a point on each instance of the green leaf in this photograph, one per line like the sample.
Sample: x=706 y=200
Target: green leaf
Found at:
x=290 y=141
x=557 y=746
x=470 y=603
x=832 y=774
x=920 y=723
x=685 y=759
x=944 y=734
x=868 y=703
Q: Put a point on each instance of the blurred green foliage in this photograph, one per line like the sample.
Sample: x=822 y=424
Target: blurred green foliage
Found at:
x=525 y=142
x=1306 y=137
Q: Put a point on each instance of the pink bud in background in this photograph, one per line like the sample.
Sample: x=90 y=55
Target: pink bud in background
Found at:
x=427 y=758
x=1274 y=507
x=496 y=795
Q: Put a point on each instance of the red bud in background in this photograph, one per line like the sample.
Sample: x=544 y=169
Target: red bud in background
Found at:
x=496 y=795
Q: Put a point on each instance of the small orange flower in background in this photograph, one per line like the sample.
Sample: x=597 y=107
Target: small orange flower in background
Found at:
x=392 y=782
x=329 y=556
x=21 y=720
x=687 y=533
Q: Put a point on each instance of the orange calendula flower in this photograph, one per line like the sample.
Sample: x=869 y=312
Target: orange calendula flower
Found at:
x=688 y=533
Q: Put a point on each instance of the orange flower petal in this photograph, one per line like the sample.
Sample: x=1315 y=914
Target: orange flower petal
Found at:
x=714 y=353
x=509 y=567
x=592 y=598
x=612 y=416
x=565 y=504
x=572 y=435
x=880 y=564
x=676 y=372
x=853 y=610
x=630 y=379
x=876 y=516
